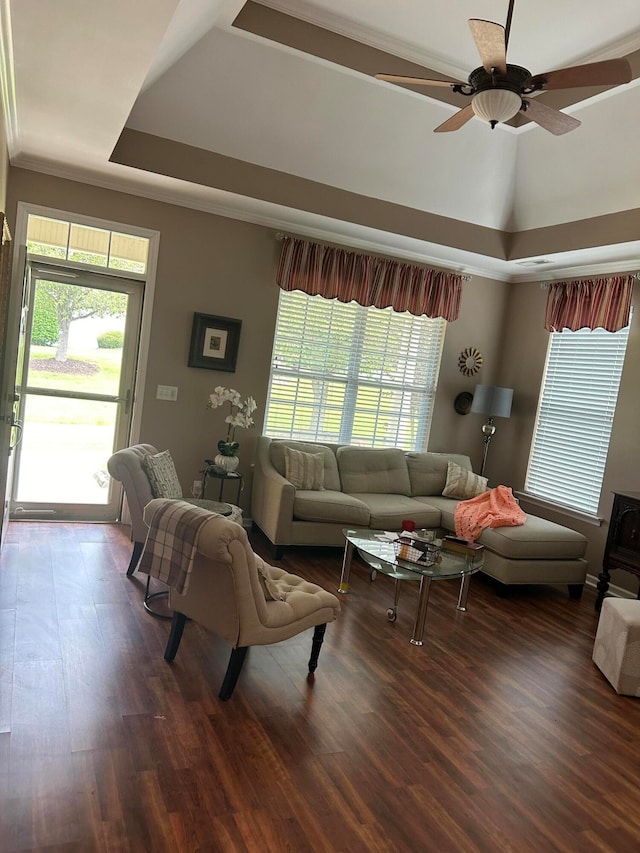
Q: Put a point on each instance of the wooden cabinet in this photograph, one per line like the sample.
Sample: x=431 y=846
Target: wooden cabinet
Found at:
x=622 y=550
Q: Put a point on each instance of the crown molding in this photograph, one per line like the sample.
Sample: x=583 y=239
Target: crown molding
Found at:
x=618 y=49
x=370 y=37
x=316 y=227
x=578 y=271
x=276 y=217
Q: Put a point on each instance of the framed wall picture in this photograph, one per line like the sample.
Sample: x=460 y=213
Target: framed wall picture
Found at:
x=214 y=342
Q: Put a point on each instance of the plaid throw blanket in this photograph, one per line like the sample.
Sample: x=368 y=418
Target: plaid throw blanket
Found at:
x=172 y=541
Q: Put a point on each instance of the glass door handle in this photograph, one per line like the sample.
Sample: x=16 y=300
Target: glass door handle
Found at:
x=18 y=426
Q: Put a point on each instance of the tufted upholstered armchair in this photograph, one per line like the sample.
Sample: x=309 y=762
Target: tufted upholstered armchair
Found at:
x=231 y=591
x=126 y=467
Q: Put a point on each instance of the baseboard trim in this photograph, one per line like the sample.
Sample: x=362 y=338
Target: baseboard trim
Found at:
x=617 y=591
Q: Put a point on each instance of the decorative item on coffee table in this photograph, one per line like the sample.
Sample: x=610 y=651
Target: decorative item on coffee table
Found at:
x=408 y=547
x=240 y=415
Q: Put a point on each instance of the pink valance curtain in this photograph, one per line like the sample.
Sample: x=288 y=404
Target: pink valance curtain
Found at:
x=368 y=280
x=592 y=303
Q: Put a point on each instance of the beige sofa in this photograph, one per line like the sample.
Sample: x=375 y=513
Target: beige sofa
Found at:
x=377 y=489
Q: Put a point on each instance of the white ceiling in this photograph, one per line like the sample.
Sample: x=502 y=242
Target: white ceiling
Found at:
x=74 y=74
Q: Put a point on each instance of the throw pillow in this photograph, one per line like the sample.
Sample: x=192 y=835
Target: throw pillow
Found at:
x=304 y=470
x=463 y=483
x=162 y=475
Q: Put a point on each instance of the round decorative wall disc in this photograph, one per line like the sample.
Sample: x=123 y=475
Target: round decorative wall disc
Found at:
x=462 y=403
x=469 y=361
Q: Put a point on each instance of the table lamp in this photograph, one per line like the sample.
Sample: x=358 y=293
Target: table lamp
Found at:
x=495 y=403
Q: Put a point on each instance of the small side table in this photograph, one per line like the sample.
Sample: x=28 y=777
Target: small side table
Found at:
x=211 y=472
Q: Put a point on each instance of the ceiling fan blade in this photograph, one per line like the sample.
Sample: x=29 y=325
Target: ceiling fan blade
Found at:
x=611 y=72
x=416 y=81
x=490 y=41
x=457 y=120
x=552 y=120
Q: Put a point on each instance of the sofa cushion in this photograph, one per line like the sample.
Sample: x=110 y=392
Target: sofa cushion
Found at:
x=368 y=471
x=304 y=470
x=537 y=538
x=389 y=511
x=428 y=471
x=330 y=506
x=463 y=483
x=445 y=506
x=331 y=476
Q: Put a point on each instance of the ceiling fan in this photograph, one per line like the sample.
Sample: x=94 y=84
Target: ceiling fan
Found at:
x=499 y=90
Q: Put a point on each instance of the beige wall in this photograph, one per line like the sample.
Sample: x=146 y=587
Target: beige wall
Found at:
x=221 y=266
x=522 y=366
x=479 y=325
x=206 y=264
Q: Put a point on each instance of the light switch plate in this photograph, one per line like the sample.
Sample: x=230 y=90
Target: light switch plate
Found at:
x=167 y=392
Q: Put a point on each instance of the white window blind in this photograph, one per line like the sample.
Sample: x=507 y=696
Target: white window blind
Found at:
x=352 y=375
x=575 y=416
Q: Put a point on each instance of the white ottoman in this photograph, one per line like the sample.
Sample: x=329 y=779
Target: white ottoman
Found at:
x=616 y=650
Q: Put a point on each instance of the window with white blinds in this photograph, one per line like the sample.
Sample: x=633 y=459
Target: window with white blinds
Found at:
x=575 y=416
x=352 y=375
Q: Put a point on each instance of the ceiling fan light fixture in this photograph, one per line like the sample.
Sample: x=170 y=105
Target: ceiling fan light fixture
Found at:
x=495 y=105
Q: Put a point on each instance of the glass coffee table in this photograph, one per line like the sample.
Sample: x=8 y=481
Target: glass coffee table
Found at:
x=381 y=556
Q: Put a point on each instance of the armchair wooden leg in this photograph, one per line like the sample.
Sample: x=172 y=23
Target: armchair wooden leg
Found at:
x=233 y=671
x=175 y=635
x=135 y=557
x=318 y=637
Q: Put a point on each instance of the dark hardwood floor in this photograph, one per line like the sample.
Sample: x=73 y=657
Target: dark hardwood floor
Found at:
x=499 y=734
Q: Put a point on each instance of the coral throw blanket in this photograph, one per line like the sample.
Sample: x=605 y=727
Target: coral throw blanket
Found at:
x=172 y=542
x=493 y=508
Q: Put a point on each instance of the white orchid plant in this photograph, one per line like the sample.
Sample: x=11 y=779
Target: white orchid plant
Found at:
x=240 y=415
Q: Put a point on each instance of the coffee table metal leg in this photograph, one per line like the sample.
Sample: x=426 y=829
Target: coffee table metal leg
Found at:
x=464 y=592
x=346 y=568
x=421 y=612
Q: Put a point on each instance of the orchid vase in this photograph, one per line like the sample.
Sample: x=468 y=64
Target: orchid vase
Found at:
x=227 y=458
x=228 y=448
x=240 y=415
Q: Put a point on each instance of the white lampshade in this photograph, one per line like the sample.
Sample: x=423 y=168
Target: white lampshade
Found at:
x=494 y=105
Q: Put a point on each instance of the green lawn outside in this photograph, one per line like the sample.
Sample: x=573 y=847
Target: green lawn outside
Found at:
x=80 y=430
x=58 y=410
